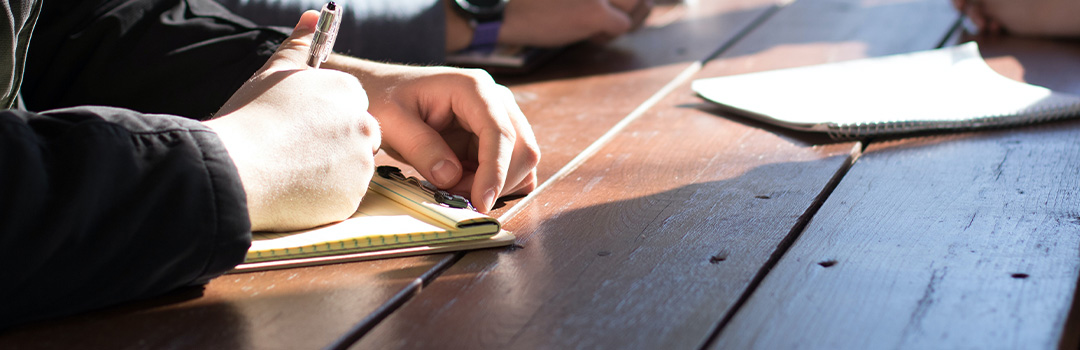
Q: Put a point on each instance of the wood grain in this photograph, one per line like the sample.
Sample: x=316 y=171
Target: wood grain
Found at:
x=969 y=240
x=653 y=240
x=285 y=309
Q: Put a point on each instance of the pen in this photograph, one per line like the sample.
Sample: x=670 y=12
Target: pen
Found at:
x=325 y=33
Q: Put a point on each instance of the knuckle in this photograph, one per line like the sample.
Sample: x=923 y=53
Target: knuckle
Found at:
x=477 y=76
x=369 y=126
x=507 y=131
x=531 y=154
x=534 y=152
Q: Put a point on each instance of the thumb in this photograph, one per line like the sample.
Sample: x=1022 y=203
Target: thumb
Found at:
x=293 y=52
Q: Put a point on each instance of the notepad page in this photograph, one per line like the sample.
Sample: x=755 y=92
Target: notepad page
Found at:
x=943 y=88
x=378 y=223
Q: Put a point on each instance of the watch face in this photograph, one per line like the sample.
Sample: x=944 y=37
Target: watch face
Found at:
x=483 y=9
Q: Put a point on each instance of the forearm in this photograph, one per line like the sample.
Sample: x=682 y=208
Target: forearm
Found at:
x=458 y=31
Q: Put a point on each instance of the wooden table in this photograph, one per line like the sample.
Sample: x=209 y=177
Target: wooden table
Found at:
x=662 y=222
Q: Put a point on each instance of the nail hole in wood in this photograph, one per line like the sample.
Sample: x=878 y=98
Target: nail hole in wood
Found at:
x=716 y=259
x=762 y=196
x=827 y=263
x=1020 y=275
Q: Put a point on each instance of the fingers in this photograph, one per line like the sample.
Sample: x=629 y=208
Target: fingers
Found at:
x=614 y=22
x=513 y=159
x=976 y=13
x=621 y=16
x=506 y=149
x=293 y=52
x=640 y=13
x=521 y=177
x=497 y=138
x=638 y=10
x=418 y=144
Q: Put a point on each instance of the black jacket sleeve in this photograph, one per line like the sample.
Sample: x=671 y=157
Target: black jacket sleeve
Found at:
x=101 y=205
x=180 y=57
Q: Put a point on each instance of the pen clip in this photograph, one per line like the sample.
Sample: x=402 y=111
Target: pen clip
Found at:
x=442 y=197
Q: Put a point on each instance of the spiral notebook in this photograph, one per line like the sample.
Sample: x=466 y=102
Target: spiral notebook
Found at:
x=398 y=217
x=944 y=89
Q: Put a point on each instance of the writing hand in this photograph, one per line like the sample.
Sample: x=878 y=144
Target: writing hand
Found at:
x=301 y=139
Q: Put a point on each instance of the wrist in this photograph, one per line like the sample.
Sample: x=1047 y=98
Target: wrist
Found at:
x=459 y=32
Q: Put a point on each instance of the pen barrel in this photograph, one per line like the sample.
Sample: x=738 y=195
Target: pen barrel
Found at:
x=325 y=34
x=319 y=50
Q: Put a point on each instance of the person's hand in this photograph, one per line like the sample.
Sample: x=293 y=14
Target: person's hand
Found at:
x=552 y=23
x=1028 y=17
x=301 y=139
x=547 y=23
x=458 y=128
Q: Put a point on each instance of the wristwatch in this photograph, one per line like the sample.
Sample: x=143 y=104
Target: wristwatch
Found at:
x=485 y=17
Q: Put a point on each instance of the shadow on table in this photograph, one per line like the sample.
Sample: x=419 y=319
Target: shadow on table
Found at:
x=610 y=247
x=140 y=324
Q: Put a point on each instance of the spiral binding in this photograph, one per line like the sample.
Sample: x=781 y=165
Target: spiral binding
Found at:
x=1033 y=115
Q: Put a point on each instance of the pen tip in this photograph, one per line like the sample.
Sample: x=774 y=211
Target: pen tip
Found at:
x=331 y=6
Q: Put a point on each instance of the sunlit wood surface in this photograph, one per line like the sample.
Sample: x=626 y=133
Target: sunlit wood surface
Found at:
x=665 y=222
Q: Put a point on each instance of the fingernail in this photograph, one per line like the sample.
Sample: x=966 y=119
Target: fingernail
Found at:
x=444 y=172
x=489 y=199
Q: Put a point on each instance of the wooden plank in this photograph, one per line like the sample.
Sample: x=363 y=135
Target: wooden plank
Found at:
x=969 y=240
x=650 y=243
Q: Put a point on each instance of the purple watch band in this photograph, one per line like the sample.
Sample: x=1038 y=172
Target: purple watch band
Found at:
x=486 y=34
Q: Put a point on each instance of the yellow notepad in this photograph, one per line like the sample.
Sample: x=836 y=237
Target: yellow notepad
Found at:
x=395 y=218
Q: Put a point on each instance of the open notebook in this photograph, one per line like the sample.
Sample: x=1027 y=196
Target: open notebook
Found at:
x=943 y=89
x=395 y=218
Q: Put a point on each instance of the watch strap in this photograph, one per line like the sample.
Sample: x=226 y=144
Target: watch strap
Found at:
x=485 y=34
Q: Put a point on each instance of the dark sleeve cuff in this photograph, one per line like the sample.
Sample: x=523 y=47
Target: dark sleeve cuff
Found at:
x=229 y=246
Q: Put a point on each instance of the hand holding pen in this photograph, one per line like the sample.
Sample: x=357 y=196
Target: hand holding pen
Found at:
x=301 y=138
